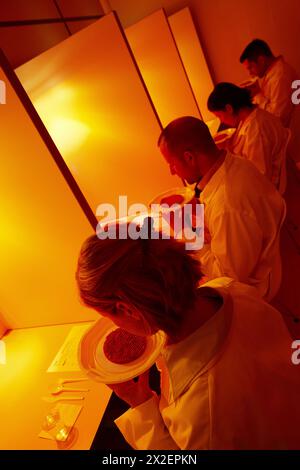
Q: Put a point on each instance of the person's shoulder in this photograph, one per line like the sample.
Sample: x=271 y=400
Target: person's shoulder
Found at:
x=239 y=164
x=231 y=286
x=244 y=182
x=282 y=68
x=264 y=118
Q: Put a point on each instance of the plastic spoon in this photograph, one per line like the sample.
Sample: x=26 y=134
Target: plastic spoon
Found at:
x=55 y=399
x=60 y=389
x=66 y=381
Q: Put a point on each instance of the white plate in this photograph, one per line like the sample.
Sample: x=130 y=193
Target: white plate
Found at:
x=224 y=135
x=248 y=82
x=186 y=193
x=213 y=126
x=96 y=365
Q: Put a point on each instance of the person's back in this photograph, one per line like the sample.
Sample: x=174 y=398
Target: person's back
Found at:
x=227 y=378
x=260 y=137
x=244 y=214
x=276 y=91
x=273 y=92
x=263 y=140
x=254 y=383
x=228 y=385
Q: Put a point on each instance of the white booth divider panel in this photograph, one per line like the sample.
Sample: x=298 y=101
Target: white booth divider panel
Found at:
x=157 y=56
x=90 y=96
x=42 y=227
x=193 y=58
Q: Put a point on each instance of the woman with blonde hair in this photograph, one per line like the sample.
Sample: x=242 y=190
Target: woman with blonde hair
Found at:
x=227 y=381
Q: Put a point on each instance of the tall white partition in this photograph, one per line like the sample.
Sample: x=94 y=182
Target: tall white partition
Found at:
x=160 y=64
x=43 y=224
x=193 y=58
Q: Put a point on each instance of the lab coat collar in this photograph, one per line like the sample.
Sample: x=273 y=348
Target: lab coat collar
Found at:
x=207 y=177
x=204 y=347
x=274 y=64
x=216 y=180
x=242 y=127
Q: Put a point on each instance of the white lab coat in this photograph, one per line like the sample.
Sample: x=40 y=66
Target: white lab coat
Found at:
x=229 y=385
x=262 y=139
x=276 y=91
x=243 y=213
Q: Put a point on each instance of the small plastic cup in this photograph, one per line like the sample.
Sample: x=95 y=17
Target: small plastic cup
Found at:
x=51 y=420
x=62 y=433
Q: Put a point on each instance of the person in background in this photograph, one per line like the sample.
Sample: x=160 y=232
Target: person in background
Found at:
x=243 y=212
x=227 y=380
x=260 y=137
x=273 y=89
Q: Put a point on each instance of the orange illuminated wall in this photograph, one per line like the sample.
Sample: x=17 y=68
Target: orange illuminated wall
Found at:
x=93 y=102
x=194 y=62
x=3 y=329
x=157 y=57
x=42 y=222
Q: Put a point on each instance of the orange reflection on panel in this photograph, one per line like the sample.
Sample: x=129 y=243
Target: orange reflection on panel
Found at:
x=42 y=228
x=2 y=352
x=157 y=57
x=191 y=53
x=93 y=103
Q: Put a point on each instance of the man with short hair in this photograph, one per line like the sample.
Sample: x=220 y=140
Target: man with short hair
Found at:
x=273 y=90
x=243 y=212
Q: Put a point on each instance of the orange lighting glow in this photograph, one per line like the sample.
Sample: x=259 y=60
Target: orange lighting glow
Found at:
x=42 y=228
x=2 y=353
x=63 y=121
x=193 y=58
x=161 y=67
x=96 y=109
x=21 y=355
x=2 y=92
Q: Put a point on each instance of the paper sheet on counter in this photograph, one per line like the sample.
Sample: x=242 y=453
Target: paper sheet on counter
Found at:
x=66 y=359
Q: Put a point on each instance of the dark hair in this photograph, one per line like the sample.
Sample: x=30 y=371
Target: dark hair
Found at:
x=186 y=133
x=228 y=93
x=157 y=276
x=256 y=48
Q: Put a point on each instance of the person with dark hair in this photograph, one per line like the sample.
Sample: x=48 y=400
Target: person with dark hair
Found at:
x=273 y=89
x=260 y=137
x=243 y=212
x=255 y=50
x=227 y=93
x=227 y=380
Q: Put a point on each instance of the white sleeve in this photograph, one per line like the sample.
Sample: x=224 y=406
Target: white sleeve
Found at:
x=183 y=424
x=258 y=149
x=260 y=100
x=280 y=101
x=235 y=247
x=143 y=427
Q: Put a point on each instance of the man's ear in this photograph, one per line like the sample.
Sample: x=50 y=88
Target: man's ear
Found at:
x=188 y=157
x=229 y=108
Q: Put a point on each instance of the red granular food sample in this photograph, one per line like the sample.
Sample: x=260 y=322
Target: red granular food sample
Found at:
x=122 y=347
x=170 y=200
x=219 y=137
